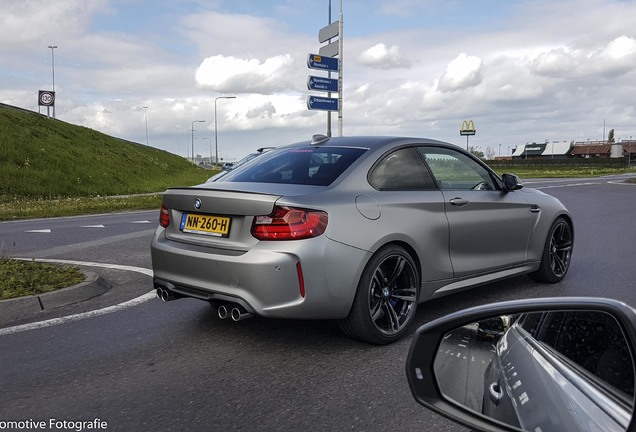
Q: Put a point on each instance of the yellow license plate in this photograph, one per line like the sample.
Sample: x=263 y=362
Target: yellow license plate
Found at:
x=218 y=226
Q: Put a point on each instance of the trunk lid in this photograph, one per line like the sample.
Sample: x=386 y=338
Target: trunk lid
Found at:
x=219 y=216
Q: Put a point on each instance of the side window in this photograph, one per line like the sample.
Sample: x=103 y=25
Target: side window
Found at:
x=453 y=170
x=402 y=169
x=593 y=341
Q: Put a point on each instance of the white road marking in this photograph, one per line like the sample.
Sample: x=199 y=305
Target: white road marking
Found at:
x=76 y=317
x=620 y=183
x=565 y=185
x=48 y=230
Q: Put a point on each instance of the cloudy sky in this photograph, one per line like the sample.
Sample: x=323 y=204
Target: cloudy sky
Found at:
x=523 y=71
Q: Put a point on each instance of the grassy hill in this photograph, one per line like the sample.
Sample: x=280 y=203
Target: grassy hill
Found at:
x=43 y=158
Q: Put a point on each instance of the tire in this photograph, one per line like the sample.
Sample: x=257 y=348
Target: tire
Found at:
x=557 y=253
x=386 y=298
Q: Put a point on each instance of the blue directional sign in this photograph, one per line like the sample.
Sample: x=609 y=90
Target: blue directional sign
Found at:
x=322 y=84
x=315 y=61
x=322 y=103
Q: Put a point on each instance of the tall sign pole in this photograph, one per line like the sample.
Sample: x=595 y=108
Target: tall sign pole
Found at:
x=329 y=77
x=325 y=60
x=340 y=65
x=52 y=47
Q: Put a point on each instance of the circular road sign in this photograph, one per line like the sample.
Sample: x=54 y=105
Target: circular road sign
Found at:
x=46 y=98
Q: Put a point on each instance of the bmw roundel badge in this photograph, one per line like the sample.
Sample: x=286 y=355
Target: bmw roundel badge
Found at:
x=197 y=203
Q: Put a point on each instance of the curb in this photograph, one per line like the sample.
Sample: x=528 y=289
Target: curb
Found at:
x=20 y=307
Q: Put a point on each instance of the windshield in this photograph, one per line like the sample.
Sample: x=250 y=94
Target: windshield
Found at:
x=297 y=165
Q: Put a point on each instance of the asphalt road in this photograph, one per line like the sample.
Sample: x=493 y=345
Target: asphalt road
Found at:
x=144 y=365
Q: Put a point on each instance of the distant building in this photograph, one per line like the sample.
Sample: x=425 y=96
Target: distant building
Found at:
x=629 y=151
x=571 y=149
x=592 y=149
x=546 y=150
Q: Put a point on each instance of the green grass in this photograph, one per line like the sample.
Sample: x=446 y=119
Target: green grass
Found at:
x=50 y=168
x=23 y=278
x=24 y=208
x=43 y=159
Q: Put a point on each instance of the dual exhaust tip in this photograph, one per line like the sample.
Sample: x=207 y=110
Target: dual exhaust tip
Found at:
x=234 y=311
x=165 y=295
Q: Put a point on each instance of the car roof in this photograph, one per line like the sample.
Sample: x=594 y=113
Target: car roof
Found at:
x=367 y=142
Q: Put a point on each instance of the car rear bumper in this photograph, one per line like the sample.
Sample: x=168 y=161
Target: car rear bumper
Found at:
x=267 y=279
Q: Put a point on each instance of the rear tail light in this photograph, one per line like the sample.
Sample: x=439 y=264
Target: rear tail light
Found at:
x=164 y=217
x=288 y=223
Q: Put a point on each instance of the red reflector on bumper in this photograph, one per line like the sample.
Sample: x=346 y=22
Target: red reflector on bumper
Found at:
x=301 y=279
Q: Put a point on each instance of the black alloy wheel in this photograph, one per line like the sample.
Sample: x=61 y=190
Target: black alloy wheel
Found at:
x=386 y=299
x=557 y=253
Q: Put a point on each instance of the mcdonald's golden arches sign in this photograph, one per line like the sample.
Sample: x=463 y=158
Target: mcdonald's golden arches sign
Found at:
x=468 y=128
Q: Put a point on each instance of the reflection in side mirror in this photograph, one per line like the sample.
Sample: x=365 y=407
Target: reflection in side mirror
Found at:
x=563 y=369
x=544 y=372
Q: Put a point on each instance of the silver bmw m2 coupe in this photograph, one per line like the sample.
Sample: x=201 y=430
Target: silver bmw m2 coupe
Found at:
x=354 y=229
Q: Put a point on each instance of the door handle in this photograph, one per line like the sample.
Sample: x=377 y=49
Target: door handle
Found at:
x=535 y=209
x=459 y=202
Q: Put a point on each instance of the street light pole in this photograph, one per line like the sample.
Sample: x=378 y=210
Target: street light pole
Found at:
x=146 y=119
x=53 y=69
x=216 y=139
x=195 y=121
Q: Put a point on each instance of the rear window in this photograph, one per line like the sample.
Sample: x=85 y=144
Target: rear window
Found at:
x=297 y=165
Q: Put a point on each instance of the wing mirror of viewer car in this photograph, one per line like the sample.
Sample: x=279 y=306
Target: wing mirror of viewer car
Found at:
x=511 y=182
x=554 y=364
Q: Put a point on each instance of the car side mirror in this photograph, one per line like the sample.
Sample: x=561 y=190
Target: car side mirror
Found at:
x=549 y=364
x=511 y=182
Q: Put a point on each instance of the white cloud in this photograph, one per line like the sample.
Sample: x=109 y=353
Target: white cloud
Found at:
x=235 y=75
x=382 y=57
x=621 y=47
x=617 y=57
x=464 y=71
